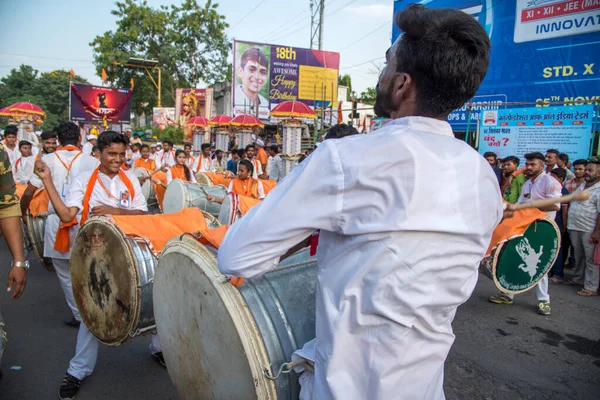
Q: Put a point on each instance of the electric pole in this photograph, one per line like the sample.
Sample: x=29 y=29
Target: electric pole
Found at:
x=317 y=11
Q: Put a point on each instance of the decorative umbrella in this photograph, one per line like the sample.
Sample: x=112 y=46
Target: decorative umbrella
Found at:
x=5 y=112
x=197 y=121
x=293 y=109
x=220 y=120
x=26 y=108
x=249 y=121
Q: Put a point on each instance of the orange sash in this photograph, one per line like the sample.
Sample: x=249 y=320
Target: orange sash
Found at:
x=62 y=233
x=268 y=185
x=246 y=203
x=178 y=172
x=248 y=188
x=149 y=164
x=218 y=179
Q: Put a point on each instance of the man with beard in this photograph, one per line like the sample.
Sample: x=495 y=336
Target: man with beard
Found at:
x=49 y=142
x=539 y=186
x=394 y=261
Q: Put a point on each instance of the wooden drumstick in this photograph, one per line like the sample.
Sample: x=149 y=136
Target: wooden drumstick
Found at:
x=578 y=195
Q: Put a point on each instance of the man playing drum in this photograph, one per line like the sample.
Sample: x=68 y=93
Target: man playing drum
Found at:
x=539 y=186
x=203 y=162
x=402 y=230
x=106 y=190
x=244 y=184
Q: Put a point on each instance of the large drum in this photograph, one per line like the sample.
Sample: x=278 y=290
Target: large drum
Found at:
x=234 y=207
x=219 y=341
x=36 y=227
x=147 y=188
x=182 y=195
x=203 y=179
x=112 y=270
x=518 y=264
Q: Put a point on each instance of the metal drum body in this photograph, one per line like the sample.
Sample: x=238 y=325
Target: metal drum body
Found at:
x=36 y=228
x=180 y=195
x=218 y=340
x=518 y=264
x=229 y=212
x=112 y=276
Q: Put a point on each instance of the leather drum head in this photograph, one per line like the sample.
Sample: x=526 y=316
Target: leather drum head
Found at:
x=175 y=197
x=105 y=281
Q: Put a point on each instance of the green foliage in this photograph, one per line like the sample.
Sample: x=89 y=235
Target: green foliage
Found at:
x=49 y=90
x=346 y=80
x=171 y=133
x=188 y=41
x=368 y=96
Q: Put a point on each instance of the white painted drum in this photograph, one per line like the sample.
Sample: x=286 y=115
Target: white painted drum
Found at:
x=229 y=212
x=218 y=340
x=180 y=195
x=36 y=228
x=291 y=139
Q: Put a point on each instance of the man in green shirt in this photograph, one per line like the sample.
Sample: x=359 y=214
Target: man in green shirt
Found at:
x=513 y=181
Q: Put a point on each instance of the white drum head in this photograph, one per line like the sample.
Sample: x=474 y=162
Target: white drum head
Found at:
x=210 y=342
x=203 y=179
x=175 y=197
x=228 y=212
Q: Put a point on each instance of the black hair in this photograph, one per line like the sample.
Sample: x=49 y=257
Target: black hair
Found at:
x=564 y=157
x=302 y=158
x=11 y=129
x=536 y=155
x=48 y=135
x=187 y=144
x=553 y=151
x=188 y=174
x=274 y=148
x=241 y=152
x=248 y=165
x=94 y=148
x=144 y=146
x=490 y=154
x=24 y=143
x=579 y=162
x=254 y=54
x=136 y=135
x=218 y=152
x=512 y=159
x=168 y=142
x=107 y=138
x=68 y=133
x=339 y=131
x=205 y=146
x=135 y=145
x=446 y=52
x=560 y=173
x=250 y=146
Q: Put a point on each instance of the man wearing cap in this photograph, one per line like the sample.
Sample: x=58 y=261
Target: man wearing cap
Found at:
x=261 y=154
x=89 y=145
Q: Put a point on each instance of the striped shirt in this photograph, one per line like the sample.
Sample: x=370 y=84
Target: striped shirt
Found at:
x=583 y=214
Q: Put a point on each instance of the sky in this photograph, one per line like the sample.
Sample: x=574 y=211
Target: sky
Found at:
x=55 y=34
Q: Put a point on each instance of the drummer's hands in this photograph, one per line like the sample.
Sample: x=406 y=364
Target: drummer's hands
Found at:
x=17 y=278
x=42 y=170
x=509 y=211
x=106 y=210
x=164 y=168
x=210 y=198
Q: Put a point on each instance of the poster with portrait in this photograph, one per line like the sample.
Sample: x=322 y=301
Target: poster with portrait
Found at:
x=265 y=75
x=190 y=103
x=163 y=117
x=94 y=103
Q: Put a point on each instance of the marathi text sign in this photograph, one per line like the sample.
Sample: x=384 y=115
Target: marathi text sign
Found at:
x=265 y=75
x=93 y=103
x=517 y=131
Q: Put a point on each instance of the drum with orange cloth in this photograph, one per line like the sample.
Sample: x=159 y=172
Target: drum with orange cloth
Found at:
x=212 y=178
x=160 y=190
x=234 y=207
x=112 y=270
x=268 y=185
x=222 y=341
x=180 y=195
x=523 y=249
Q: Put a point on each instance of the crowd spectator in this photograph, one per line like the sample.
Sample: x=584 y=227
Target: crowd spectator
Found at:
x=551 y=159
x=562 y=162
x=578 y=170
x=557 y=273
x=513 y=179
x=492 y=158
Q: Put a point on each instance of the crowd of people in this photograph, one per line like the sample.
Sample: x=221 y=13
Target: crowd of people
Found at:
x=552 y=175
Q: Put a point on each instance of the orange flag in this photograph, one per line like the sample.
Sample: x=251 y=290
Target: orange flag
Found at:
x=358 y=127
x=364 y=125
x=72 y=73
x=131 y=81
x=104 y=76
x=340 y=116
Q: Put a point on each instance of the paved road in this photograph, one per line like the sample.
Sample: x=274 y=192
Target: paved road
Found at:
x=501 y=352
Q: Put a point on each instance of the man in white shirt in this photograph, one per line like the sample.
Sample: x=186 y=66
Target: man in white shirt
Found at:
x=49 y=142
x=190 y=159
x=23 y=168
x=275 y=164
x=157 y=152
x=89 y=145
x=167 y=156
x=551 y=160
x=394 y=261
x=250 y=156
x=110 y=195
x=539 y=186
x=219 y=163
x=10 y=143
x=203 y=161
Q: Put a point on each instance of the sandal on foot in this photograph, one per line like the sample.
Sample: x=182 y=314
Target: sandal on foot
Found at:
x=587 y=293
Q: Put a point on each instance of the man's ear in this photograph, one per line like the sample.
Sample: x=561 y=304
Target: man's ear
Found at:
x=402 y=89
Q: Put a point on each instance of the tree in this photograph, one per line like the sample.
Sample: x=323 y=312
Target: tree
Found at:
x=188 y=41
x=346 y=80
x=49 y=90
x=368 y=96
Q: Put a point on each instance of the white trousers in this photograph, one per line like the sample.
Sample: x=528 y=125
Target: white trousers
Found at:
x=63 y=270
x=541 y=290
x=86 y=354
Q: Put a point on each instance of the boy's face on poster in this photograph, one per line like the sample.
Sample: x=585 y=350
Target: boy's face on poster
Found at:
x=253 y=75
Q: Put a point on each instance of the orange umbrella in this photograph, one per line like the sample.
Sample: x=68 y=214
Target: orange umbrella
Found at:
x=249 y=121
x=197 y=121
x=293 y=109
x=220 y=120
x=26 y=108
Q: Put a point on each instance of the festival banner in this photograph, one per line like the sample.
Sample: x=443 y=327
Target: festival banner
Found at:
x=265 y=75
x=95 y=103
x=190 y=103
x=163 y=117
x=517 y=131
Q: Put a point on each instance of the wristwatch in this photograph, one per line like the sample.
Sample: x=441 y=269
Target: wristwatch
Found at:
x=20 y=264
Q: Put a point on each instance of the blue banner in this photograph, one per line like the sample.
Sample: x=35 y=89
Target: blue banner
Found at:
x=543 y=51
x=517 y=131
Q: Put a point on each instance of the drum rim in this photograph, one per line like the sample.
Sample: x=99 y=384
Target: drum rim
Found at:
x=182 y=197
x=211 y=217
x=136 y=293
x=500 y=248
x=211 y=183
x=231 y=198
x=242 y=319
x=40 y=257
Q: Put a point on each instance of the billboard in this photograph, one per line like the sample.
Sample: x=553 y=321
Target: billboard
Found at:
x=543 y=51
x=93 y=103
x=163 y=117
x=190 y=103
x=517 y=131
x=265 y=75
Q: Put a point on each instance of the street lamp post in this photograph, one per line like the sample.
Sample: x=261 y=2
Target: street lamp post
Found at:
x=146 y=65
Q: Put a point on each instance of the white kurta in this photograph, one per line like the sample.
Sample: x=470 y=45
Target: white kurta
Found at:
x=87 y=149
x=23 y=169
x=167 y=159
x=13 y=155
x=203 y=164
x=406 y=213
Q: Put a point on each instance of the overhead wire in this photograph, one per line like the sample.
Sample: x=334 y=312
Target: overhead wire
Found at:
x=247 y=15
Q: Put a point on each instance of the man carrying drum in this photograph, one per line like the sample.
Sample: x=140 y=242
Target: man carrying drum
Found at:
x=539 y=186
x=106 y=190
x=402 y=230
